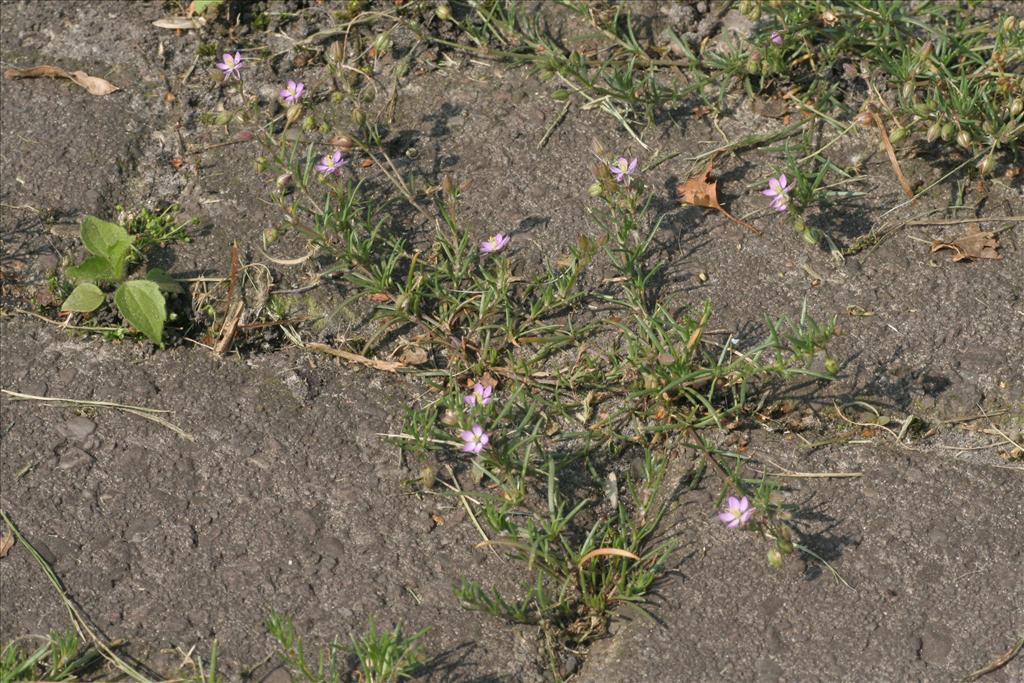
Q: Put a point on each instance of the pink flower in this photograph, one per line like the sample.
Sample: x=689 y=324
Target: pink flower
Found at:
x=776 y=37
x=330 y=163
x=737 y=512
x=481 y=396
x=623 y=169
x=778 y=188
x=475 y=440
x=232 y=65
x=292 y=92
x=493 y=244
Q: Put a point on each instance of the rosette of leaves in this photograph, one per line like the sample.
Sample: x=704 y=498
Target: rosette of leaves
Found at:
x=140 y=301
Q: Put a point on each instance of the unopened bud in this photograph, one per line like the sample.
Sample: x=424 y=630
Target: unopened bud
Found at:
x=831 y=365
x=754 y=64
x=449 y=418
x=343 y=143
x=785 y=547
x=934 y=131
x=358 y=117
x=964 y=139
x=293 y=113
x=775 y=557
x=271 y=235
x=987 y=164
x=594 y=190
x=1009 y=23
x=908 y=90
x=383 y=43
x=1017 y=106
x=335 y=53
x=261 y=164
x=947 y=132
x=898 y=135
x=864 y=119
x=285 y=182
x=443 y=12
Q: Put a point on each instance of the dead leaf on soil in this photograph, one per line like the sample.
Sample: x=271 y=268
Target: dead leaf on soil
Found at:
x=180 y=23
x=6 y=542
x=974 y=244
x=413 y=355
x=94 y=85
x=770 y=108
x=700 y=190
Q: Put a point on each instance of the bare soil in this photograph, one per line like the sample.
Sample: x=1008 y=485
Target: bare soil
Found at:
x=286 y=496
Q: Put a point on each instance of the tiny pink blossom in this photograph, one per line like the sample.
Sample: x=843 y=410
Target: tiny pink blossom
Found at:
x=481 y=396
x=331 y=163
x=776 y=37
x=622 y=169
x=232 y=65
x=737 y=512
x=778 y=188
x=493 y=244
x=292 y=92
x=475 y=440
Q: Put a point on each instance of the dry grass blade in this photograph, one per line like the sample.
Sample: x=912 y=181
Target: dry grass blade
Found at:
x=141 y=411
x=79 y=622
x=892 y=155
x=601 y=552
x=375 y=363
x=997 y=663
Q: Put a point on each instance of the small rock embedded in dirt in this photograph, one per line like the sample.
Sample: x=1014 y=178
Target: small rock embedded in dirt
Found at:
x=278 y=675
x=332 y=547
x=73 y=457
x=78 y=428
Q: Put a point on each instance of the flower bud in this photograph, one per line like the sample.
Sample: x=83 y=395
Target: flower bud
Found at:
x=753 y=65
x=908 y=90
x=775 y=557
x=864 y=119
x=934 y=131
x=443 y=12
x=922 y=109
x=428 y=476
x=989 y=127
x=449 y=418
x=1009 y=23
x=308 y=124
x=358 y=117
x=898 y=135
x=785 y=546
x=271 y=235
x=293 y=113
x=285 y=182
x=343 y=143
x=383 y=43
x=947 y=132
x=261 y=164
x=964 y=139
x=335 y=53
x=831 y=365
x=594 y=190
x=987 y=164
x=1017 y=106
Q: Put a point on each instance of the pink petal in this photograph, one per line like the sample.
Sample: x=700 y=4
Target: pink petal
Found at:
x=782 y=180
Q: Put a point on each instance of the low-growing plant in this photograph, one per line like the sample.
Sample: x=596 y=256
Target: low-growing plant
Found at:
x=61 y=657
x=141 y=302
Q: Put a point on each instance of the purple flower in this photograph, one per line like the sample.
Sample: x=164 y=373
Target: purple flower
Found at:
x=481 y=396
x=292 y=92
x=475 y=440
x=622 y=169
x=776 y=37
x=737 y=512
x=232 y=65
x=493 y=244
x=331 y=163
x=778 y=188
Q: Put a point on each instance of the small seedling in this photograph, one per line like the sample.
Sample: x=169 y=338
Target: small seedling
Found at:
x=387 y=656
x=140 y=301
x=61 y=657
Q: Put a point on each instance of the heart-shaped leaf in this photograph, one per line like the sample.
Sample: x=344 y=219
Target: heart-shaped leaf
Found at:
x=108 y=240
x=84 y=298
x=164 y=281
x=92 y=269
x=142 y=305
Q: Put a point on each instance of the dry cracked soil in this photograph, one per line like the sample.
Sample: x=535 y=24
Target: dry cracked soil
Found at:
x=281 y=492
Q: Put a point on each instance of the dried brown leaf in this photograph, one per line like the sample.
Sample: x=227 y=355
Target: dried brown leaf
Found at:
x=700 y=190
x=180 y=23
x=974 y=244
x=6 y=542
x=92 y=84
x=413 y=355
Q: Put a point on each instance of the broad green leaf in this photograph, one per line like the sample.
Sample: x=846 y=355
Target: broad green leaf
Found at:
x=201 y=6
x=165 y=282
x=92 y=269
x=142 y=305
x=108 y=240
x=84 y=298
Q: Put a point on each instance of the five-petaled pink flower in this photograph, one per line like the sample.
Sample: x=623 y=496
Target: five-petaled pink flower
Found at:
x=778 y=188
x=776 y=37
x=232 y=65
x=481 y=396
x=493 y=244
x=737 y=512
x=331 y=163
x=475 y=440
x=622 y=169
x=292 y=92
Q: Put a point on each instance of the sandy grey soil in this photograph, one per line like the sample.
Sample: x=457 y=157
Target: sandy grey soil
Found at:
x=288 y=498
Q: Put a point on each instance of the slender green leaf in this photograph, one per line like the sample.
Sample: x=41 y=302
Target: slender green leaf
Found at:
x=142 y=305
x=85 y=298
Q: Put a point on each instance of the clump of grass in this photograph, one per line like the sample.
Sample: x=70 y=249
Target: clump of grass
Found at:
x=62 y=656
x=382 y=656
